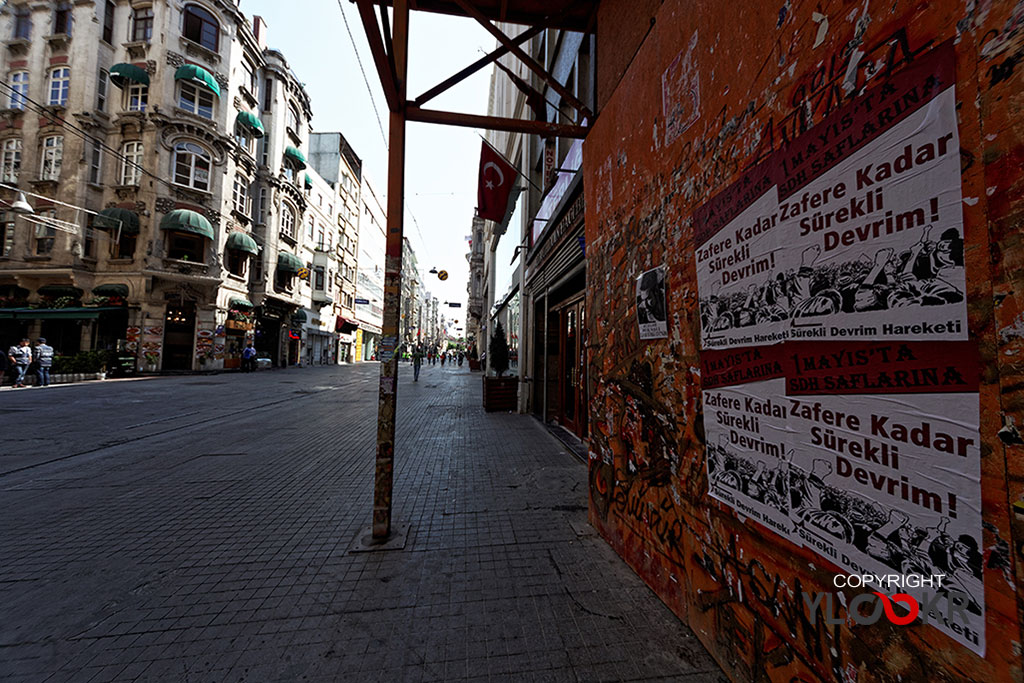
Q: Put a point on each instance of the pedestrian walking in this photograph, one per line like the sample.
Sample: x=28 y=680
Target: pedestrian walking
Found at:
x=442 y=359
x=248 y=358
x=20 y=357
x=44 y=361
x=417 y=362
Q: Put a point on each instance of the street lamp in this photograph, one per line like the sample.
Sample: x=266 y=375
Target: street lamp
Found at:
x=21 y=205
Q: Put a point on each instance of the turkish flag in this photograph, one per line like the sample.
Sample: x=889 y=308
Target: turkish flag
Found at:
x=497 y=177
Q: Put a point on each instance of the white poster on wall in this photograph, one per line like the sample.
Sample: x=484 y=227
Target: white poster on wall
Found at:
x=878 y=238
x=651 y=304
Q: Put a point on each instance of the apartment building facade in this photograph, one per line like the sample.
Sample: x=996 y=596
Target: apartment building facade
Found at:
x=163 y=147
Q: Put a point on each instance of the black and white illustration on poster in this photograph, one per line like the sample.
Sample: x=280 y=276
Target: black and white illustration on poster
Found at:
x=879 y=238
x=742 y=301
x=891 y=484
x=748 y=450
x=651 y=307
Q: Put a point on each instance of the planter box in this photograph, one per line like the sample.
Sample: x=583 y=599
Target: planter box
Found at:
x=474 y=365
x=501 y=394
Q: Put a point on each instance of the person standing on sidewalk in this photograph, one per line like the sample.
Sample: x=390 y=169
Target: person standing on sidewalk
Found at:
x=44 y=361
x=248 y=358
x=417 y=362
x=20 y=357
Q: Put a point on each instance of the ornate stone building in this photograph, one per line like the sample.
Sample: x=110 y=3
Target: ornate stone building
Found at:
x=162 y=149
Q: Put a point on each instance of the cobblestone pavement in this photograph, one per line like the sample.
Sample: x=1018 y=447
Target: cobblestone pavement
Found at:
x=199 y=529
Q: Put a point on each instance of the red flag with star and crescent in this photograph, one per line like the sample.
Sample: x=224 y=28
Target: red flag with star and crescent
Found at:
x=497 y=177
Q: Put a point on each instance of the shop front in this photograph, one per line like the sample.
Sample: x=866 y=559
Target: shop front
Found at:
x=272 y=334
x=319 y=340
x=555 y=287
x=238 y=331
x=346 y=331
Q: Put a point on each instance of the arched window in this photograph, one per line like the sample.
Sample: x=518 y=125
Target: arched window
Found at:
x=287 y=221
x=201 y=27
x=60 y=83
x=131 y=171
x=191 y=166
x=19 y=89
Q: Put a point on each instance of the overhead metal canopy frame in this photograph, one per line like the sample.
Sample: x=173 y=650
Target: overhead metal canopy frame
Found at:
x=389 y=44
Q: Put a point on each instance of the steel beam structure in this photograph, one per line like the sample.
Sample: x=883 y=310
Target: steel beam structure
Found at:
x=527 y=126
x=384 y=469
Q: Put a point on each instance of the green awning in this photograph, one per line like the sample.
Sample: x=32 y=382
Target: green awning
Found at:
x=239 y=241
x=199 y=76
x=78 y=313
x=55 y=291
x=111 y=290
x=252 y=122
x=183 y=220
x=123 y=74
x=289 y=263
x=240 y=302
x=112 y=218
x=296 y=157
x=309 y=182
x=299 y=317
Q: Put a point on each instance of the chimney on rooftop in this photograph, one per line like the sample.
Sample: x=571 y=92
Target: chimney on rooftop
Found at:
x=259 y=29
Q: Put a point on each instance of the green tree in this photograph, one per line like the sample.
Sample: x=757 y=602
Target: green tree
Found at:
x=497 y=350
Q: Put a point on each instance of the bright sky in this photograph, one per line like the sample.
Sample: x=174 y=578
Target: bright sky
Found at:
x=441 y=161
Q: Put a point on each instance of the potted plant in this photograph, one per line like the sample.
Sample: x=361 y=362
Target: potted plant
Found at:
x=500 y=392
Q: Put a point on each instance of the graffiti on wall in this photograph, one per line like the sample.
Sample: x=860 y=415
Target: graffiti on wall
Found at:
x=710 y=537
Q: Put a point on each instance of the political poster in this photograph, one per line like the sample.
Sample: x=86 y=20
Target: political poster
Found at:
x=740 y=255
x=840 y=391
x=651 y=304
x=868 y=454
x=880 y=235
x=747 y=435
x=853 y=231
x=890 y=483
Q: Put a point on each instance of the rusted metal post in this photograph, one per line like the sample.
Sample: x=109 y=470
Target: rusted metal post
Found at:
x=384 y=471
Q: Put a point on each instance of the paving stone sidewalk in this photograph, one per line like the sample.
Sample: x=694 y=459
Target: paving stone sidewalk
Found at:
x=220 y=551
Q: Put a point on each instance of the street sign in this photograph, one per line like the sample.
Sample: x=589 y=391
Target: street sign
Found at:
x=442 y=275
x=454 y=305
x=362 y=301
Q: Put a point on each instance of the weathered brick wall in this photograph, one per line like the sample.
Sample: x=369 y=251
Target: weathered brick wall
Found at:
x=762 y=73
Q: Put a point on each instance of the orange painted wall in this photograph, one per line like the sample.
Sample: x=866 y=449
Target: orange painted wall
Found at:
x=764 y=74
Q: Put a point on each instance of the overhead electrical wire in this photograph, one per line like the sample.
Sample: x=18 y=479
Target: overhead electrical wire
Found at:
x=376 y=112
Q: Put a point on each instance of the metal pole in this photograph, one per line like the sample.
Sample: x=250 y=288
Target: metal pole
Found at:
x=384 y=470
